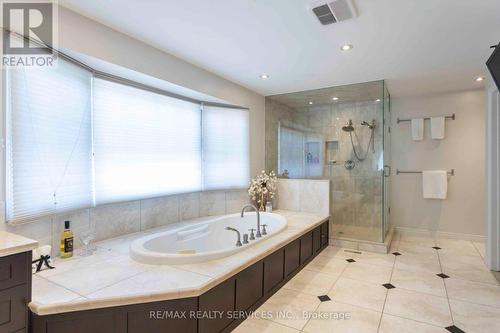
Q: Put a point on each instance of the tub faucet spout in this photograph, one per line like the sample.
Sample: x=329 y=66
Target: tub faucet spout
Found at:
x=258 y=234
x=238 y=242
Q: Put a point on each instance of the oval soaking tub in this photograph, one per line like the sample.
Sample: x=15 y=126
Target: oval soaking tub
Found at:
x=203 y=241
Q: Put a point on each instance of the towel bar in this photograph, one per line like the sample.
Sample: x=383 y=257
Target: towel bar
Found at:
x=452 y=117
x=451 y=173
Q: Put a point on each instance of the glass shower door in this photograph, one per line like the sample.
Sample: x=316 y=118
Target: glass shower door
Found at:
x=386 y=200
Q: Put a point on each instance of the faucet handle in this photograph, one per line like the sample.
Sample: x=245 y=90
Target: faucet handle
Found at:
x=264 y=231
x=245 y=238
x=252 y=235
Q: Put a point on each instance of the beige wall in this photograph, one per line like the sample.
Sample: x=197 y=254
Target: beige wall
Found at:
x=462 y=149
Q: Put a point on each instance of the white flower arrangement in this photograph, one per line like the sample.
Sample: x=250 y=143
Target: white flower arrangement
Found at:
x=263 y=188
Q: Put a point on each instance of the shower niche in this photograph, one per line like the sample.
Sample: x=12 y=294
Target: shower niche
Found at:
x=331 y=152
x=341 y=134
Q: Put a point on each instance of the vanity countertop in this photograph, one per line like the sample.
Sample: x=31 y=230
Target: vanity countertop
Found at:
x=12 y=244
x=109 y=277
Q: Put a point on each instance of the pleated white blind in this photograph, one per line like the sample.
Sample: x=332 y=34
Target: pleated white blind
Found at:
x=49 y=145
x=225 y=148
x=146 y=144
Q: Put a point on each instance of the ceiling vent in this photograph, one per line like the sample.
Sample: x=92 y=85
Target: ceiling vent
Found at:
x=329 y=12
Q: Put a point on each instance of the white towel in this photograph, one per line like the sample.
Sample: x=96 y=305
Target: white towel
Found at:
x=435 y=184
x=417 y=129
x=437 y=128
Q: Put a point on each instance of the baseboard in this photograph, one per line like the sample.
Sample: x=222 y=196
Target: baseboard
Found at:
x=440 y=234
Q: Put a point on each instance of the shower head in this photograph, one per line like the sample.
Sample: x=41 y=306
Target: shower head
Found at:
x=348 y=127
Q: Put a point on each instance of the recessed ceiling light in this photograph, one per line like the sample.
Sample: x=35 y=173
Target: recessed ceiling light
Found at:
x=378 y=100
x=264 y=76
x=346 y=47
x=479 y=79
x=335 y=98
x=310 y=103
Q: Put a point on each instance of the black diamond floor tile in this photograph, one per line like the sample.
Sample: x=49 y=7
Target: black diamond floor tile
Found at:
x=389 y=286
x=454 y=329
x=396 y=253
x=324 y=298
x=436 y=248
x=442 y=275
x=350 y=260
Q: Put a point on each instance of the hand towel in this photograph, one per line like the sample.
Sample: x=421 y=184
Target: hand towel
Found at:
x=437 y=128
x=435 y=184
x=417 y=129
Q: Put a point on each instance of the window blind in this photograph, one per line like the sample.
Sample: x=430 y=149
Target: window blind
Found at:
x=225 y=148
x=49 y=145
x=146 y=144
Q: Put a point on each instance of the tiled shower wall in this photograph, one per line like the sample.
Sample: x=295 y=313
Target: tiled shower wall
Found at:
x=128 y=217
x=356 y=195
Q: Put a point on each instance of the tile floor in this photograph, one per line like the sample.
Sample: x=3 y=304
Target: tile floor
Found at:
x=398 y=292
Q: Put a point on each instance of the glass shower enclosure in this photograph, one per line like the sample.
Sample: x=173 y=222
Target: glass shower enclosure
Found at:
x=341 y=134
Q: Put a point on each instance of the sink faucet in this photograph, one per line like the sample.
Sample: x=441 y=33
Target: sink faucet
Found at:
x=238 y=242
x=258 y=234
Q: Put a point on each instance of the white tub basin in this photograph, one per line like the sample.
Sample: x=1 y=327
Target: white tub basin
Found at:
x=202 y=241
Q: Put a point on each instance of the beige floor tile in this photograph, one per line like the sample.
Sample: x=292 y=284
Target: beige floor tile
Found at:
x=423 y=282
x=456 y=245
x=474 y=292
x=376 y=259
x=420 y=240
x=344 y=318
x=481 y=248
x=338 y=252
x=294 y=304
x=311 y=282
x=333 y=266
x=360 y=293
x=417 y=306
x=370 y=273
x=392 y=324
x=252 y=325
x=426 y=264
x=475 y=318
x=454 y=261
x=470 y=273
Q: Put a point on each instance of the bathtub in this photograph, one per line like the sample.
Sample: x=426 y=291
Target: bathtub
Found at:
x=203 y=241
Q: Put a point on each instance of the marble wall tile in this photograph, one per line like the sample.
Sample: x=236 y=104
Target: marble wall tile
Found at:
x=116 y=219
x=158 y=212
x=288 y=194
x=212 y=203
x=39 y=230
x=314 y=196
x=235 y=200
x=189 y=206
x=304 y=195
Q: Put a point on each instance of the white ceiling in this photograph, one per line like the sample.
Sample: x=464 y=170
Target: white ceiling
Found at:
x=418 y=46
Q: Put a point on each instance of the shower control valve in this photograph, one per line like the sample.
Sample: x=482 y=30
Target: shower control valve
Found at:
x=252 y=234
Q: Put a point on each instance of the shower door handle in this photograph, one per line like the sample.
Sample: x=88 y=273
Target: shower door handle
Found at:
x=388 y=169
